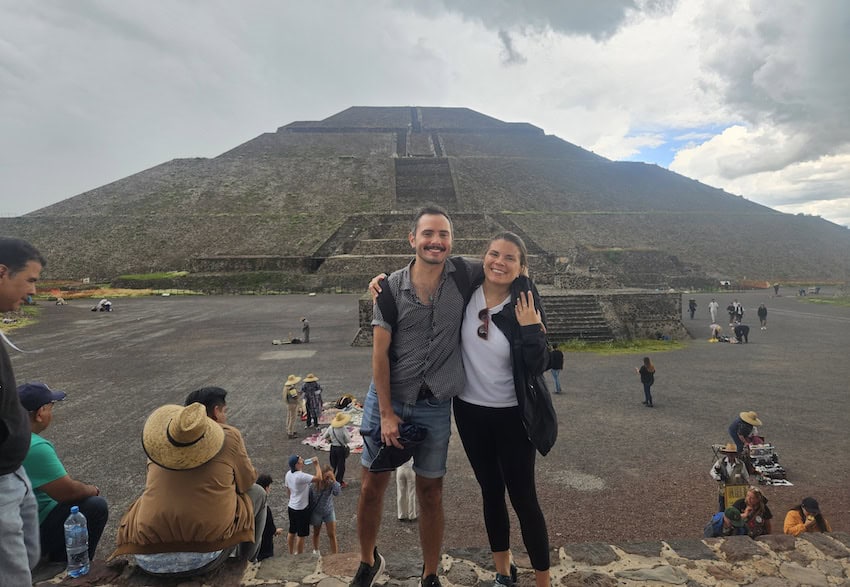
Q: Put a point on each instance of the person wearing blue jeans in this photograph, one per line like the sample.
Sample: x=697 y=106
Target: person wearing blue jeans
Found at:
x=647 y=378
x=416 y=371
x=556 y=364
x=20 y=268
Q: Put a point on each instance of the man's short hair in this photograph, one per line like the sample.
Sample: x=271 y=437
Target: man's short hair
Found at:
x=264 y=480
x=15 y=253
x=434 y=210
x=210 y=397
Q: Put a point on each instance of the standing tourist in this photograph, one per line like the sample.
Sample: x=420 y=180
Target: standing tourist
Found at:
x=762 y=313
x=713 y=306
x=298 y=482
x=647 y=379
x=416 y=371
x=291 y=400
x=312 y=392
x=339 y=438
x=556 y=365
x=20 y=268
x=503 y=340
x=305 y=329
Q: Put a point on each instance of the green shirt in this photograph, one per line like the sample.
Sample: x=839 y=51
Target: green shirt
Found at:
x=43 y=466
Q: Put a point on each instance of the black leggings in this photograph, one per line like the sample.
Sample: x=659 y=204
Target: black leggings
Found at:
x=502 y=456
x=338 y=461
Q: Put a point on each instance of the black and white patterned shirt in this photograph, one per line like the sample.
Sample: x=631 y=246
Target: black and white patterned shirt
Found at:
x=425 y=346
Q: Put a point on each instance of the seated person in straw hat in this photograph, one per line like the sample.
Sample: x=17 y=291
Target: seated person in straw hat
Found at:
x=742 y=429
x=339 y=438
x=728 y=470
x=195 y=508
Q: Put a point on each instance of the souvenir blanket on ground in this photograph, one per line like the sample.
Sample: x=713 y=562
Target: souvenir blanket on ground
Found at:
x=315 y=439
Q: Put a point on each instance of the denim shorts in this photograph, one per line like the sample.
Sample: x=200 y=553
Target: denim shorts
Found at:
x=429 y=458
x=317 y=519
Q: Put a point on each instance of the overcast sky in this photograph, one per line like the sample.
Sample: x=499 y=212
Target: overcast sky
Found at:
x=749 y=96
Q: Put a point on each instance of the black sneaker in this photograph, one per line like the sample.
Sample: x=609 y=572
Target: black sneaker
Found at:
x=430 y=581
x=367 y=575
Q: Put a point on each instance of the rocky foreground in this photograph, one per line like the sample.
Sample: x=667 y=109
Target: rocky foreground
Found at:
x=770 y=561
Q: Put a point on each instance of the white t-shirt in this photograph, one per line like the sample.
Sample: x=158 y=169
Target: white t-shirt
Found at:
x=489 y=375
x=299 y=489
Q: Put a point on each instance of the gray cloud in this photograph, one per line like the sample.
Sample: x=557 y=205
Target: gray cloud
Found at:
x=511 y=55
x=784 y=65
x=597 y=18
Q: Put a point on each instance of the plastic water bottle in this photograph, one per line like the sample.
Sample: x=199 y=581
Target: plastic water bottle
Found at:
x=77 y=543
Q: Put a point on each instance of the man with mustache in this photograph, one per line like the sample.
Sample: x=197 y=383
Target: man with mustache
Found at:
x=416 y=371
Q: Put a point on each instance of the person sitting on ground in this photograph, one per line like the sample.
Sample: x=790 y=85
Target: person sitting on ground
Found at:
x=323 y=512
x=270 y=530
x=741 y=429
x=728 y=470
x=103 y=305
x=200 y=501
x=806 y=517
x=754 y=512
x=298 y=482
x=742 y=333
x=724 y=523
x=716 y=331
x=55 y=490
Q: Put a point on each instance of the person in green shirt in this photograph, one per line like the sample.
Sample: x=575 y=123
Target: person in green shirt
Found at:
x=55 y=490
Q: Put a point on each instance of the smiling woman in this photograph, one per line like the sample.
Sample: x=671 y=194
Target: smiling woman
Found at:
x=506 y=343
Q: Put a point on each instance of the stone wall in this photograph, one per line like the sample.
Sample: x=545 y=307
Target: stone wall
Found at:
x=643 y=315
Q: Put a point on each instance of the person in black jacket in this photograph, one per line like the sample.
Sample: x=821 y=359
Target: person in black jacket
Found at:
x=647 y=378
x=20 y=268
x=556 y=364
x=502 y=341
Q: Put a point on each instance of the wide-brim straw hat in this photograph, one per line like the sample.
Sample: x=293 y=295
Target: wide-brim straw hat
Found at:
x=340 y=420
x=292 y=380
x=750 y=418
x=180 y=438
x=729 y=449
x=310 y=377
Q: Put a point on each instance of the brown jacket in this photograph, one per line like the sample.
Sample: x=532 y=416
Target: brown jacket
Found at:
x=198 y=510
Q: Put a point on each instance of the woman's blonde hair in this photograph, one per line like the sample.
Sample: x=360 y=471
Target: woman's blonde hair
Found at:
x=328 y=479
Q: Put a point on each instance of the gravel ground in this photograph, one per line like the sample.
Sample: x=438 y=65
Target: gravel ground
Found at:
x=619 y=471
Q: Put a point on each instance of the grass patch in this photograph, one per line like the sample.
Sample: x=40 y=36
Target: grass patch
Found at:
x=29 y=316
x=621 y=347
x=147 y=276
x=841 y=301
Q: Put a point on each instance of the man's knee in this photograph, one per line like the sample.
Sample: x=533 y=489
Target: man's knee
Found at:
x=429 y=491
x=373 y=485
x=95 y=509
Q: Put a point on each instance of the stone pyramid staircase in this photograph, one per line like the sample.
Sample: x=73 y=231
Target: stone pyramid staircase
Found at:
x=575 y=317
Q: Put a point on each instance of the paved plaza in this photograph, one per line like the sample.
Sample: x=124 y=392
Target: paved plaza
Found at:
x=618 y=472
